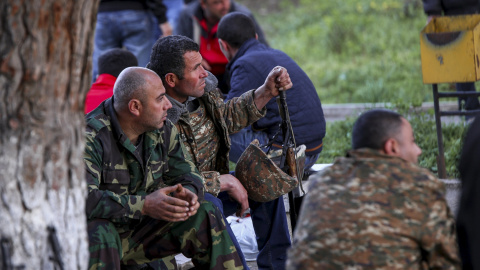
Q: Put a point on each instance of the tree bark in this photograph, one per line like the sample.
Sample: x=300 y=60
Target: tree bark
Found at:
x=45 y=72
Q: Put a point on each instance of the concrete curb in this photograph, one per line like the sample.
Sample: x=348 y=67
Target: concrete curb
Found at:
x=335 y=112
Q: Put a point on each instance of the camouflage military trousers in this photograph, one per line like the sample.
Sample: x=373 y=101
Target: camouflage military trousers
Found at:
x=203 y=237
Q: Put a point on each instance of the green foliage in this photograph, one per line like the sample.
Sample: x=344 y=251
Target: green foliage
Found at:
x=354 y=51
x=358 y=51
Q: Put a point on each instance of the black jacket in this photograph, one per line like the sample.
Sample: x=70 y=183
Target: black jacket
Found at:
x=468 y=219
x=156 y=6
x=248 y=70
x=451 y=7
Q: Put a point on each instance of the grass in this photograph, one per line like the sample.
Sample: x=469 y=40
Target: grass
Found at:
x=360 y=51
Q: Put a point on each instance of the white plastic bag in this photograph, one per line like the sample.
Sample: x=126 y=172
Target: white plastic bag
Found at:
x=243 y=230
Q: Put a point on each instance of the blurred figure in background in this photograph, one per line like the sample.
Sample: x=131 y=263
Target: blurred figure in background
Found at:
x=110 y=64
x=132 y=25
x=174 y=7
x=249 y=63
x=199 y=21
x=468 y=219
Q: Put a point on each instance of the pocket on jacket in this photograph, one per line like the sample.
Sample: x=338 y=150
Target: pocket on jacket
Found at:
x=116 y=181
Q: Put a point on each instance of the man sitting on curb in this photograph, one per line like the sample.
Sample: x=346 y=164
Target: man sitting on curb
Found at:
x=376 y=208
x=205 y=122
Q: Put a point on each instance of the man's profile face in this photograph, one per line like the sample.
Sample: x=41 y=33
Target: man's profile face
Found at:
x=215 y=8
x=193 y=82
x=409 y=150
x=155 y=105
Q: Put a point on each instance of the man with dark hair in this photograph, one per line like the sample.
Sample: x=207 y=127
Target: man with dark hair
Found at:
x=375 y=208
x=110 y=64
x=205 y=121
x=387 y=124
x=249 y=62
x=145 y=199
x=199 y=21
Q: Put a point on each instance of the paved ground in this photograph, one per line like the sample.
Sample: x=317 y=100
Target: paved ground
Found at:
x=334 y=112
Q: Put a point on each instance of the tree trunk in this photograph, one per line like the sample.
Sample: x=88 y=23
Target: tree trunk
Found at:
x=45 y=72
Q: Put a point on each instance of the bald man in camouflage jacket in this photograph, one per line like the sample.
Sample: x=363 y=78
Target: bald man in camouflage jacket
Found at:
x=375 y=208
x=145 y=199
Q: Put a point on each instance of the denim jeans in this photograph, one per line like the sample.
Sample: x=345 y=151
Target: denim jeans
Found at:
x=174 y=7
x=132 y=29
x=270 y=225
x=242 y=139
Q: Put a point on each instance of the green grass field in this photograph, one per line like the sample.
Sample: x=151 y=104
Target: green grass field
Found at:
x=362 y=51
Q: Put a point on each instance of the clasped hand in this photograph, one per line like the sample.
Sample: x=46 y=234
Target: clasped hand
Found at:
x=174 y=203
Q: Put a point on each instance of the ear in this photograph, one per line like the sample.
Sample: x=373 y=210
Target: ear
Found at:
x=135 y=107
x=224 y=44
x=391 y=147
x=203 y=4
x=171 y=80
x=256 y=36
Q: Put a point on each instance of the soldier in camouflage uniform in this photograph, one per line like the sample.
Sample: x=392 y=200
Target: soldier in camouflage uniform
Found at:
x=205 y=122
x=375 y=208
x=145 y=200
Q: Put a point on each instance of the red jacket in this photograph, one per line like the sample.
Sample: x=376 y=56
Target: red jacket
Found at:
x=101 y=89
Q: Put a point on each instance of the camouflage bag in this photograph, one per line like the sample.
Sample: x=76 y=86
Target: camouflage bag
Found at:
x=261 y=177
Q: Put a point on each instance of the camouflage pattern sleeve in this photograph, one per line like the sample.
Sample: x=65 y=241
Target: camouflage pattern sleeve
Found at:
x=181 y=170
x=212 y=182
x=438 y=239
x=239 y=112
x=374 y=211
x=107 y=203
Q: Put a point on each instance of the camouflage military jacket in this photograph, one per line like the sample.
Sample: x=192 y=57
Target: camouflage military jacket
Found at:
x=373 y=211
x=117 y=179
x=229 y=117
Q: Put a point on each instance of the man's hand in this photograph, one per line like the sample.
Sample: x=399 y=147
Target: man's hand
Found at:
x=235 y=190
x=160 y=205
x=166 y=28
x=278 y=80
x=188 y=196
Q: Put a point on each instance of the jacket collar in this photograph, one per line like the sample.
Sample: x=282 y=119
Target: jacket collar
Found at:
x=370 y=153
x=242 y=50
x=115 y=124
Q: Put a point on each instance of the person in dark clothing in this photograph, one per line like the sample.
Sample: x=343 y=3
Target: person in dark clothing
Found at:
x=199 y=21
x=250 y=61
x=128 y=24
x=435 y=8
x=468 y=220
x=110 y=64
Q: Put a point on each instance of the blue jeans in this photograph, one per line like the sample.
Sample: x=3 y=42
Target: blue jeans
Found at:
x=174 y=7
x=132 y=29
x=270 y=225
x=242 y=139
